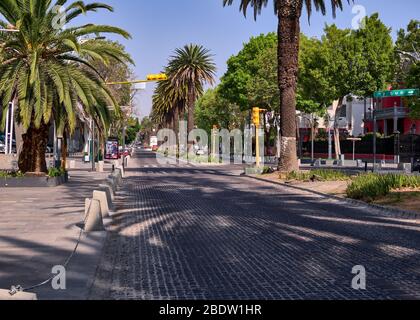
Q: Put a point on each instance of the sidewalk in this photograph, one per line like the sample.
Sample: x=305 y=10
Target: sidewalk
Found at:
x=38 y=230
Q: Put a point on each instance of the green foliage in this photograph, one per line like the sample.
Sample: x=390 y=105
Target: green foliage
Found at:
x=188 y=70
x=359 y=62
x=244 y=67
x=408 y=68
x=413 y=81
x=315 y=92
x=406 y=49
x=252 y=76
x=132 y=130
x=11 y=174
x=212 y=109
x=56 y=172
x=40 y=64
x=319 y=174
x=116 y=71
x=374 y=62
x=267 y=170
x=370 y=187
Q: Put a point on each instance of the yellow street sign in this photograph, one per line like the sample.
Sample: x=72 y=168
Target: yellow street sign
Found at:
x=150 y=78
x=157 y=77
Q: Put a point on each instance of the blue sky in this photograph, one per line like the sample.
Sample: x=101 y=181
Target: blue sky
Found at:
x=159 y=26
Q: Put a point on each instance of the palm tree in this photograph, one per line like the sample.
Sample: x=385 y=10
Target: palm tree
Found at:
x=288 y=13
x=40 y=68
x=190 y=68
x=168 y=103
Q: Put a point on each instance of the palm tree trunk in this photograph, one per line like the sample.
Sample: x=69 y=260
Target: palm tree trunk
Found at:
x=32 y=157
x=288 y=66
x=337 y=144
x=191 y=107
x=177 y=112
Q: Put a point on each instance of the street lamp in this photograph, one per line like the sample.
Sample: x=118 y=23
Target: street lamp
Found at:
x=397 y=146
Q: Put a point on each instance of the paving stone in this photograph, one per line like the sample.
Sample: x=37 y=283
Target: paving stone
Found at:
x=208 y=233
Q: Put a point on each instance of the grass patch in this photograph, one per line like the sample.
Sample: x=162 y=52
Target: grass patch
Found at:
x=318 y=174
x=370 y=187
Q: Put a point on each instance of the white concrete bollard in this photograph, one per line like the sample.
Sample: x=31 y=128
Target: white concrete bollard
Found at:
x=112 y=184
x=118 y=177
x=103 y=200
x=20 y=296
x=94 y=220
x=121 y=168
x=110 y=196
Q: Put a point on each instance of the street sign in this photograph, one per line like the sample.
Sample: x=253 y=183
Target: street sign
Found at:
x=157 y=77
x=397 y=93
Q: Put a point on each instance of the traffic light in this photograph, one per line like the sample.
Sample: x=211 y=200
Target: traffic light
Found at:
x=256 y=116
x=157 y=77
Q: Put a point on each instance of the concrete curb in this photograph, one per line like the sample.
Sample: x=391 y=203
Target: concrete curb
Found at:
x=393 y=212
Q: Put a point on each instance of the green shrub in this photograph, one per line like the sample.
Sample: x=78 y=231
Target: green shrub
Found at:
x=320 y=174
x=267 y=170
x=56 y=172
x=370 y=187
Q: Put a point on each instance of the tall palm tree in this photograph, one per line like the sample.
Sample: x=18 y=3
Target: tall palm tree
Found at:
x=40 y=68
x=168 y=102
x=288 y=13
x=191 y=67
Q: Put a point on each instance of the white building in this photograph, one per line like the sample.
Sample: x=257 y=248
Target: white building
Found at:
x=351 y=118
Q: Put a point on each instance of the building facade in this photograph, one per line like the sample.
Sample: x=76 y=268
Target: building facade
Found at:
x=391 y=115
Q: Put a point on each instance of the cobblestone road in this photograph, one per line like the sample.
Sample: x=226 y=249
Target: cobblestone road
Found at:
x=207 y=233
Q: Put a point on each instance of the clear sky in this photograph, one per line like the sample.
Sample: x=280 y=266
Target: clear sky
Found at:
x=159 y=26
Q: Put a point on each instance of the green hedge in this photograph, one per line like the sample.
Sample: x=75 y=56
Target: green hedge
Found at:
x=321 y=174
x=370 y=187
